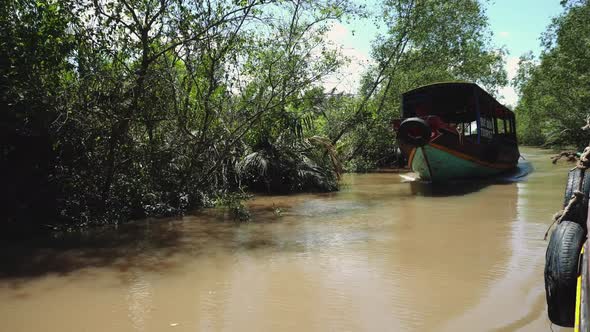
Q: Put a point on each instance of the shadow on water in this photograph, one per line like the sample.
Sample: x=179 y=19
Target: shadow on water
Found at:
x=468 y=186
x=121 y=248
x=148 y=245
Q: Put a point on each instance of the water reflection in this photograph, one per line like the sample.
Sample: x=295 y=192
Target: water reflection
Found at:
x=139 y=299
x=455 y=188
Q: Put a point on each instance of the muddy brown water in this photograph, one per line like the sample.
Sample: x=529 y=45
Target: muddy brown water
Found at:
x=380 y=255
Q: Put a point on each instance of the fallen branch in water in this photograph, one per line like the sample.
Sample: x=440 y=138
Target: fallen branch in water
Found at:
x=570 y=156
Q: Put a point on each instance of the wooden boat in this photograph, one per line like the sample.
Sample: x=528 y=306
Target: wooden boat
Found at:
x=456 y=130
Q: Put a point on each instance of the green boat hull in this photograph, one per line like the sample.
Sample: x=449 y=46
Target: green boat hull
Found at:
x=437 y=165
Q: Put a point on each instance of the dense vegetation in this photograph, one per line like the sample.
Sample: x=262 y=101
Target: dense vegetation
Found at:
x=555 y=89
x=121 y=109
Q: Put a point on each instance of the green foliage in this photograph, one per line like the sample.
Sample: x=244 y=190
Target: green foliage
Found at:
x=554 y=94
x=146 y=108
x=123 y=109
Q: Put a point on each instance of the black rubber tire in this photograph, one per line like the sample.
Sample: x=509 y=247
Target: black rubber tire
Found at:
x=574 y=177
x=404 y=136
x=561 y=272
x=580 y=212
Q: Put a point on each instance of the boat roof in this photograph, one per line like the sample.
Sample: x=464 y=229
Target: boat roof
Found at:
x=454 y=101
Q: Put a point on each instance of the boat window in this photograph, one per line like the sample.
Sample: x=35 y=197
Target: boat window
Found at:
x=487 y=127
x=470 y=128
x=500 y=127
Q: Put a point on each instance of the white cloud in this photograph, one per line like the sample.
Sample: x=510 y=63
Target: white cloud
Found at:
x=348 y=78
x=512 y=66
x=508 y=96
x=338 y=33
x=507 y=93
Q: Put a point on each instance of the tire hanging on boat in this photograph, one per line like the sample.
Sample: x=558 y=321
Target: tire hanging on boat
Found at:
x=414 y=131
x=577 y=179
x=561 y=272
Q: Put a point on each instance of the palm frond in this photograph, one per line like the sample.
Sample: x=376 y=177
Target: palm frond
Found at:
x=326 y=144
x=255 y=162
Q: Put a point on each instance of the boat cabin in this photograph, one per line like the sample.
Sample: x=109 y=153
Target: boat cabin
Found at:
x=461 y=108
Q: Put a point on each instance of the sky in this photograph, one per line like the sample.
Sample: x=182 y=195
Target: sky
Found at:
x=516 y=25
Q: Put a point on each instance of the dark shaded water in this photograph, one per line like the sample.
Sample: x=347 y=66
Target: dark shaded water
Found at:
x=383 y=254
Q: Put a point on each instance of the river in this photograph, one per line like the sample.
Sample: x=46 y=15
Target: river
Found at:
x=383 y=254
